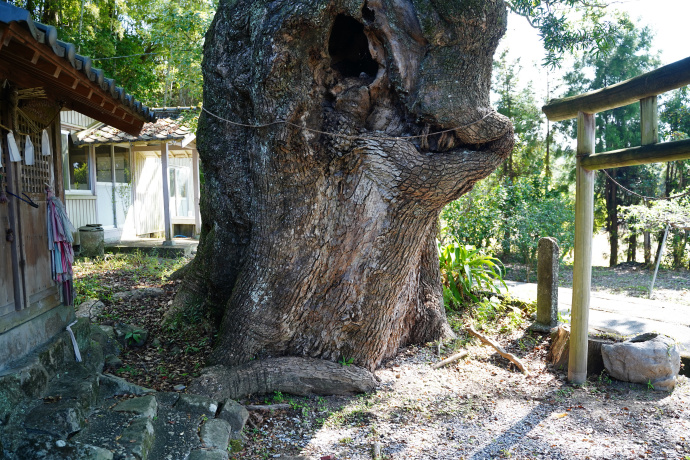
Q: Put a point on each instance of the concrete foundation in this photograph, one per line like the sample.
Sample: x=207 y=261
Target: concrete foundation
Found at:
x=19 y=341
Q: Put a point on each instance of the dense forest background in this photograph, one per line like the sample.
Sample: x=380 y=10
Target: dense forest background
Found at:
x=154 y=48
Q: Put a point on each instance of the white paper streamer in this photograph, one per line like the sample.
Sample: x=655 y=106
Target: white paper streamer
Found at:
x=14 y=150
x=45 y=144
x=74 y=342
x=28 y=151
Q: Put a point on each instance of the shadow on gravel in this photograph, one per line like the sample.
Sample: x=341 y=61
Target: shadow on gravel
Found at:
x=516 y=433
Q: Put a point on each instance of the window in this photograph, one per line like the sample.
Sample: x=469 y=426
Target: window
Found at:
x=123 y=174
x=104 y=165
x=75 y=165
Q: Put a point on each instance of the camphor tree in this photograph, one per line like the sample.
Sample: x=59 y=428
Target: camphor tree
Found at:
x=334 y=132
x=323 y=246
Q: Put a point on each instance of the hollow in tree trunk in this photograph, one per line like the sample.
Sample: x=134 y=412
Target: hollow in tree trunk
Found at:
x=322 y=245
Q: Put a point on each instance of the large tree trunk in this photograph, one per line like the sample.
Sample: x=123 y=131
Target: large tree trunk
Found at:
x=321 y=245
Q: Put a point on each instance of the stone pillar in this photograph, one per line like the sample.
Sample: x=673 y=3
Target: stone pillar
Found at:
x=547 y=285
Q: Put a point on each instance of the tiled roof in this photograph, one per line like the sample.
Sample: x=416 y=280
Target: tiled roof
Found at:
x=161 y=129
x=47 y=35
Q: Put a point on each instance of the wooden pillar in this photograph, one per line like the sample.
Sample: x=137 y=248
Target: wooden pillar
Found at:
x=57 y=160
x=166 y=195
x=649 y=122
x=582 y=266
x=11 y=183
x=196 y=194
x=649 y=127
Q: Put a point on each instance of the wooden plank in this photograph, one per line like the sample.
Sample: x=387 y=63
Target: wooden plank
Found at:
x=661 y=80
x=653 y=153
x=12 y=183
x=7 y=278
x=649 y=120
x=582 y=263
x=38 y=277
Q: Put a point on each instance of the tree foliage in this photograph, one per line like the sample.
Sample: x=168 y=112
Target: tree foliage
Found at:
x=567 y=26
x=630 y=55
x=510 y=217
x=152 y=48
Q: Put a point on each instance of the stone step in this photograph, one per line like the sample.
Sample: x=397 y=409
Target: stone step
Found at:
x=54 y=408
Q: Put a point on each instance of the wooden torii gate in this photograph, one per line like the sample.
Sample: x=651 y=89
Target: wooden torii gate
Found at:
x=645 y=89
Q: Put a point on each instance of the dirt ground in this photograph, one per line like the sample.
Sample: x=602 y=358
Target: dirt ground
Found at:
x=481 y=407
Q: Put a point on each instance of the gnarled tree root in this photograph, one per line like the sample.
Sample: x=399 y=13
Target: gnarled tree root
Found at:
x=297 y=376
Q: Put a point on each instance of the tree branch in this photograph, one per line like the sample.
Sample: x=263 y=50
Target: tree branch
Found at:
x=509 y=356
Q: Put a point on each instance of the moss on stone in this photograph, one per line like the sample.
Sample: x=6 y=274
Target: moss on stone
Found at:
x=235 y=445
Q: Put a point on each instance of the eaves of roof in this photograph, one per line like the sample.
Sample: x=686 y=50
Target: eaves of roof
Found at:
x=162 y=129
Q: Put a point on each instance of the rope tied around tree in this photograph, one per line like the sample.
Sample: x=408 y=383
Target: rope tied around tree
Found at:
x=340 y=135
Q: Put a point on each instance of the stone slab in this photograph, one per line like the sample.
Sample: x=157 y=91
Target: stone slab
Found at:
x=215 y=433
x=202 y=454
x=143 y=406
x=138 y=438
x=195 y=404
x=234 y=413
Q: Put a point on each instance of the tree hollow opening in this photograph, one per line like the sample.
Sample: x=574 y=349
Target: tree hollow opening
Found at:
x=349 y=49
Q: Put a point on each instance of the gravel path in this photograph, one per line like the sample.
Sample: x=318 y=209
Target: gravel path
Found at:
x=480 y=408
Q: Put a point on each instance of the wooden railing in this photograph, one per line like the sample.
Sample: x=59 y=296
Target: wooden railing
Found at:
x=645 y=89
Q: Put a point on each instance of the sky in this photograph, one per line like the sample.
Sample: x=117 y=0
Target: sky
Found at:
x=667 y=18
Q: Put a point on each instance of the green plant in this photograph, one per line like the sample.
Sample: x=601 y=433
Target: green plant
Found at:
x=346 y=362
x=465 y=270
x=191 y=349
x=604 y=378
x=133 y=337
x=127 y=369
x=650 y=385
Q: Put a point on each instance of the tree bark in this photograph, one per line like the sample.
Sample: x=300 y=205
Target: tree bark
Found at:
x=647 y=248
x=632 y=246
x=612 y=220
x=319 y=245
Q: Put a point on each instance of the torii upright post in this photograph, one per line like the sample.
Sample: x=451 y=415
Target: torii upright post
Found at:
x=582 y=265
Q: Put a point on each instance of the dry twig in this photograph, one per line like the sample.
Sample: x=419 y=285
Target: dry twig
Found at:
x=509 y=356
x=450 y=360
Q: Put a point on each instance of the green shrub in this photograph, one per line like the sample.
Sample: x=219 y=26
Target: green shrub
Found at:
x=466 y=270
x=508 y=218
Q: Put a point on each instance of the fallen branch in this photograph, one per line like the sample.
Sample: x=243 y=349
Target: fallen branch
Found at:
x=450 y=360
x=509 y=356
x=269 y=407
